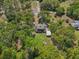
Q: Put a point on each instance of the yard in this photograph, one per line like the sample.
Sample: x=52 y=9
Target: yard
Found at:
x=77 y=34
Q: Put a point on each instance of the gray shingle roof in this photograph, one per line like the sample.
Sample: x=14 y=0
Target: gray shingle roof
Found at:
x=41 y=26
x=75 y=23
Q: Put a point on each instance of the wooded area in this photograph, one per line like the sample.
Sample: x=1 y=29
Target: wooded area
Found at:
x=23 y=25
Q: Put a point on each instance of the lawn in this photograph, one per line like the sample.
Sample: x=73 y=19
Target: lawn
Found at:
x=77 y=34
x=42 y=37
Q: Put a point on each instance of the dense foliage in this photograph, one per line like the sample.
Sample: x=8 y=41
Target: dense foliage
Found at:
x=16 y=30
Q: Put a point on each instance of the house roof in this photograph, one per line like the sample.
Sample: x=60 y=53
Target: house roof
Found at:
x=41 y=26
x=75 y=23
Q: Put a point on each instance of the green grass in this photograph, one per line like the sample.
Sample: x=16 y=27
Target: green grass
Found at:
x=77 y=34
x=42 y=37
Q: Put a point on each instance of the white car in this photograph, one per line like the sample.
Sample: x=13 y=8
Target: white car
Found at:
x=48 y=33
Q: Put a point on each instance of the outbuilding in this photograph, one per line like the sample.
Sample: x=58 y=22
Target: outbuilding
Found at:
x=75 y=24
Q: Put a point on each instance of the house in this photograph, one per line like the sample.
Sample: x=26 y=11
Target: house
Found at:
x=75 y=24
x=40 y=28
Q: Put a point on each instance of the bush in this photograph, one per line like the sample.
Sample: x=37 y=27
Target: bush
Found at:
x=8 y=53
x=60 y=11
x=20 y=55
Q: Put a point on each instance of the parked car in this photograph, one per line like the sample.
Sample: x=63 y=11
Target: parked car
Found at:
x=48 y=33
x=75 y=24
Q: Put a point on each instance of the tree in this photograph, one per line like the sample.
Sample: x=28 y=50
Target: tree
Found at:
x=63 y=35
x=72 y=53
x=49 y=4
x=1 y=3
x=73 y=10
x=60 y=11
x=20 y=55
x=41 y=48
x=6 y=33
x=9 y=53
x=54 y=26
x=62 y=0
